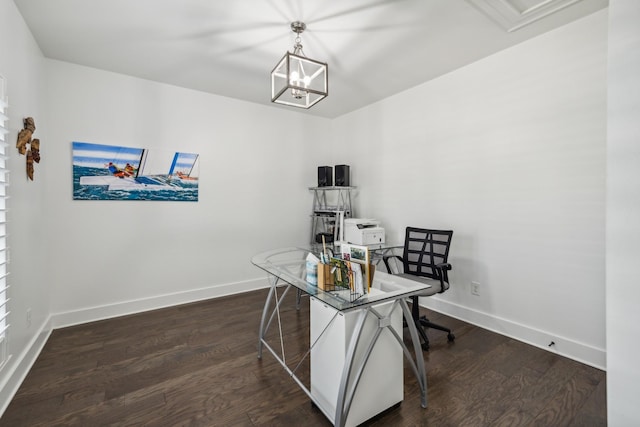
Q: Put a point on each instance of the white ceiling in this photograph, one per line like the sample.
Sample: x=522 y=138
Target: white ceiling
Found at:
x=374 y=48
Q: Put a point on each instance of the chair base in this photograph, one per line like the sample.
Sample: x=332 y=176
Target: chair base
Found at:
x=422 y=323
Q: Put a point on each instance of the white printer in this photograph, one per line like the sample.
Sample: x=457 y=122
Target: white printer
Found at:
x=363 y=231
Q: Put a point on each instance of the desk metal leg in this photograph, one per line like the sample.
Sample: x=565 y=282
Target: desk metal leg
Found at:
x=261 y=331
x=342 y=410
x=347 y=391
x=264 y=327
x=418 y=365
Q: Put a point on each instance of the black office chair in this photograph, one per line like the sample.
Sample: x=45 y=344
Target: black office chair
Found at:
x=424 y=259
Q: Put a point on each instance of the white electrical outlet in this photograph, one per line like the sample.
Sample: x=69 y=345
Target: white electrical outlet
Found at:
x=475 y=288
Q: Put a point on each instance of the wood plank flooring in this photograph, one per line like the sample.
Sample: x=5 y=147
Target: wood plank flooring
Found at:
x=196 y=365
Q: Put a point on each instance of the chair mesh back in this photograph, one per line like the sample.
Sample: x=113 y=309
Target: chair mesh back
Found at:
x=423 y=249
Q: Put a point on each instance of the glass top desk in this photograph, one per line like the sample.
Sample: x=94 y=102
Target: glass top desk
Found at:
x=287 y=268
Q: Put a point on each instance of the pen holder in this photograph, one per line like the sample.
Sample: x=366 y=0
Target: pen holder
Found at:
x=325 y=277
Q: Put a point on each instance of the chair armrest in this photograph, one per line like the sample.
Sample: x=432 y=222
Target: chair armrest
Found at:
x=386 y=259
x=442 y=268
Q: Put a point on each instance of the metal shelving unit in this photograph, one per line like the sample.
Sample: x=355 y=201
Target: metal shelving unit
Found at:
x=330 y=206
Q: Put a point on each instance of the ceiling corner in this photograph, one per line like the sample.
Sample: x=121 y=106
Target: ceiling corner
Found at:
x=512 y=15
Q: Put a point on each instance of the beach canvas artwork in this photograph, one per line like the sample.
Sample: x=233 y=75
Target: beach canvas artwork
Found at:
x=108 y=172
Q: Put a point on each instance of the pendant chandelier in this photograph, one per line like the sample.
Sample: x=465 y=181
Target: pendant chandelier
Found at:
x=299 y=81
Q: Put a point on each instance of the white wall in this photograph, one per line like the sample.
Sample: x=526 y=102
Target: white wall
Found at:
x=509 y=152
x=112 y=257
x=623 y=213
x=22 y=64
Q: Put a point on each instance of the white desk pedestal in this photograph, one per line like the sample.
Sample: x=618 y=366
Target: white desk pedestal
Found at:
x=381 y=385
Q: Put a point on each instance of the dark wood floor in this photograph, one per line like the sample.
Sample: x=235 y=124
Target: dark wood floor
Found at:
x=196 y=365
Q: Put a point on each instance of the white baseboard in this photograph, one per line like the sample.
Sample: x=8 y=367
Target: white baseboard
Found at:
x=19 y=366
x=571 y=349
x=92 y=314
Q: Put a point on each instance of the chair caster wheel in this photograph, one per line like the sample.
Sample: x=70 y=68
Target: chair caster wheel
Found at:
x=451 y=337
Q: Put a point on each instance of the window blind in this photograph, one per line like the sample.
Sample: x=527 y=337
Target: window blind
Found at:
x=4 y=250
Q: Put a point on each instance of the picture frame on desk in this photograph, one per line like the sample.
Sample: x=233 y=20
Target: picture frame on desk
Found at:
x=352 y=252
x=361 y=255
